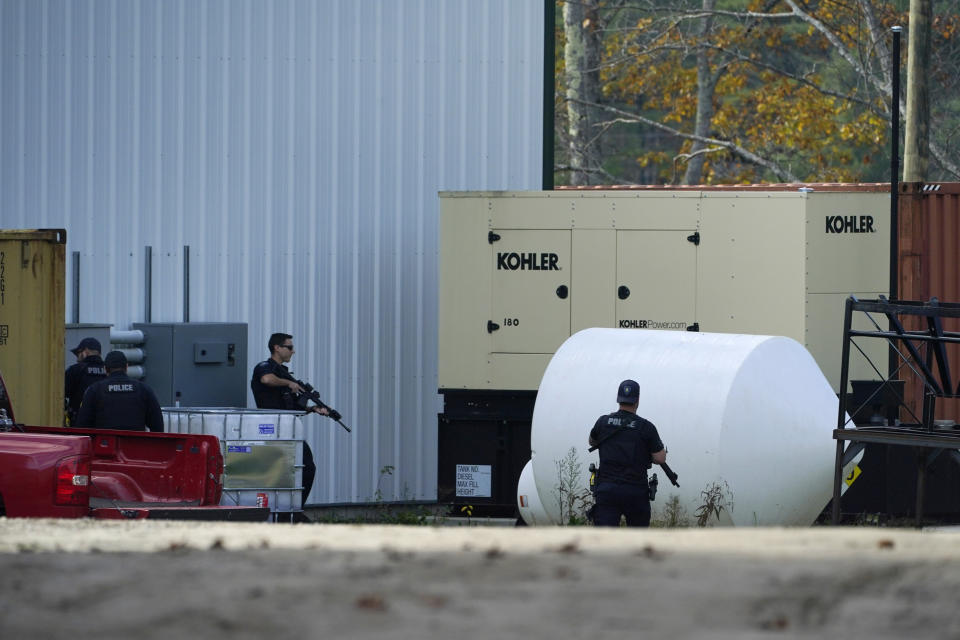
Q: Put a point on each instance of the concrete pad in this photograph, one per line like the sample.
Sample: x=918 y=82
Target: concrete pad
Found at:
x=86 y=579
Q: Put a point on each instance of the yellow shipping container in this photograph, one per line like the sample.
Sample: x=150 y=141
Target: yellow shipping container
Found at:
x=32 y=294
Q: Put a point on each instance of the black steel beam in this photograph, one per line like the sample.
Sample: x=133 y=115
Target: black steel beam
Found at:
x=837 y=476
x=931 y=381
x=845 y=364
x=904 y=437
x=906 y=335
x=943 y=309
x=935 y=325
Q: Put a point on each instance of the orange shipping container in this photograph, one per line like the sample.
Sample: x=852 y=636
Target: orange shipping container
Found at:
x=929 y=259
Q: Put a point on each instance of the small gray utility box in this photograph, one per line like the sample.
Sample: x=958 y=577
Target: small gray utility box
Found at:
x=204 y=362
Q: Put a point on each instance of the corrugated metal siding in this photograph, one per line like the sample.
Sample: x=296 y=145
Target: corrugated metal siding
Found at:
x=929 y=239
x=297 y=148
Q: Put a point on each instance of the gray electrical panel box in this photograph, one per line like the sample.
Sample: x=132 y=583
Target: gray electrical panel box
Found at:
x=204 y=362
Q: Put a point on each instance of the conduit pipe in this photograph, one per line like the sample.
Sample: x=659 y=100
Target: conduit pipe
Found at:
x=132 y=336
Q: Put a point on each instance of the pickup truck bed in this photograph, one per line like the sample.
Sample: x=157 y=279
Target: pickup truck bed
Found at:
x=132 y=474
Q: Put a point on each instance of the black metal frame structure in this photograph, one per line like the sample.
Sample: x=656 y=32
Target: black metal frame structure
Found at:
x=932 y=368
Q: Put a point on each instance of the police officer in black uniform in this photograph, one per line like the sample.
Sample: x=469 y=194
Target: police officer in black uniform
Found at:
x=274 y=387
x=87 y=370
x=119 y=401
x=628 y=445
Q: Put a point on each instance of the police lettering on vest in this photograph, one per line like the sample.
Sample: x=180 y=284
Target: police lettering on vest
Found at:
x=77 y=379
x=626 y=444
x=119 y=402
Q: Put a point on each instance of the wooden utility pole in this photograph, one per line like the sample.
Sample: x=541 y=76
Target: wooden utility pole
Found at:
x=582 y=59
x=916 y=145
x=706 y=87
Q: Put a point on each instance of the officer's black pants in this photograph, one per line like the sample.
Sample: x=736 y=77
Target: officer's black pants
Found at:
x=309 y=472
x=614 y=500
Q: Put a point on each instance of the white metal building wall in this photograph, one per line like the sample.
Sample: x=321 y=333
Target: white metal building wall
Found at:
x=297 y=148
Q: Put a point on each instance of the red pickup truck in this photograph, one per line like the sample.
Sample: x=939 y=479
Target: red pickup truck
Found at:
x=107 y=473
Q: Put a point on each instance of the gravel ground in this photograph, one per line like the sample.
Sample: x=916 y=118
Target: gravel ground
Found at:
x=91 y=579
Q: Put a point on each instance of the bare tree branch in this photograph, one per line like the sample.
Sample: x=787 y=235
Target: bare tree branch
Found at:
x=640 y=54
x=611 y=179
x=787 y=15
x=686 y=157
x=799 y=79
x=629 y=118
x=704 y=151
x=696 y=14
x=838 y=45
x=937 y=152
x=878 y=43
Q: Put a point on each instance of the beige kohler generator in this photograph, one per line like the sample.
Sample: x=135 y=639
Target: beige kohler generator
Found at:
x=522 y=271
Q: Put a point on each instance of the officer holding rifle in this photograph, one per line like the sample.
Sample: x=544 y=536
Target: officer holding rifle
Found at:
x=272 y=384
x=274 y=387
x=628 y=445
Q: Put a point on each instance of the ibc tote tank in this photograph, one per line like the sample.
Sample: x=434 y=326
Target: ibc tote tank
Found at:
x=753 y=415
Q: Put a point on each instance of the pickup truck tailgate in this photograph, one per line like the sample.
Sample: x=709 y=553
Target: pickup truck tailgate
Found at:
x=136 y=474
x=32 y=483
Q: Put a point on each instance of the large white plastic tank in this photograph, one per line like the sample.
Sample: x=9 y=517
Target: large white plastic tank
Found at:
x=752 y=415
x=528 y=499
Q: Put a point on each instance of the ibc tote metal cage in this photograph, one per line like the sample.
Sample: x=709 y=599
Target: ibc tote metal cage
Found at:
x=262 y=453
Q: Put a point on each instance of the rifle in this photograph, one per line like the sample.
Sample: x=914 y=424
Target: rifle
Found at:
x=670 y=474
x=309 y=393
